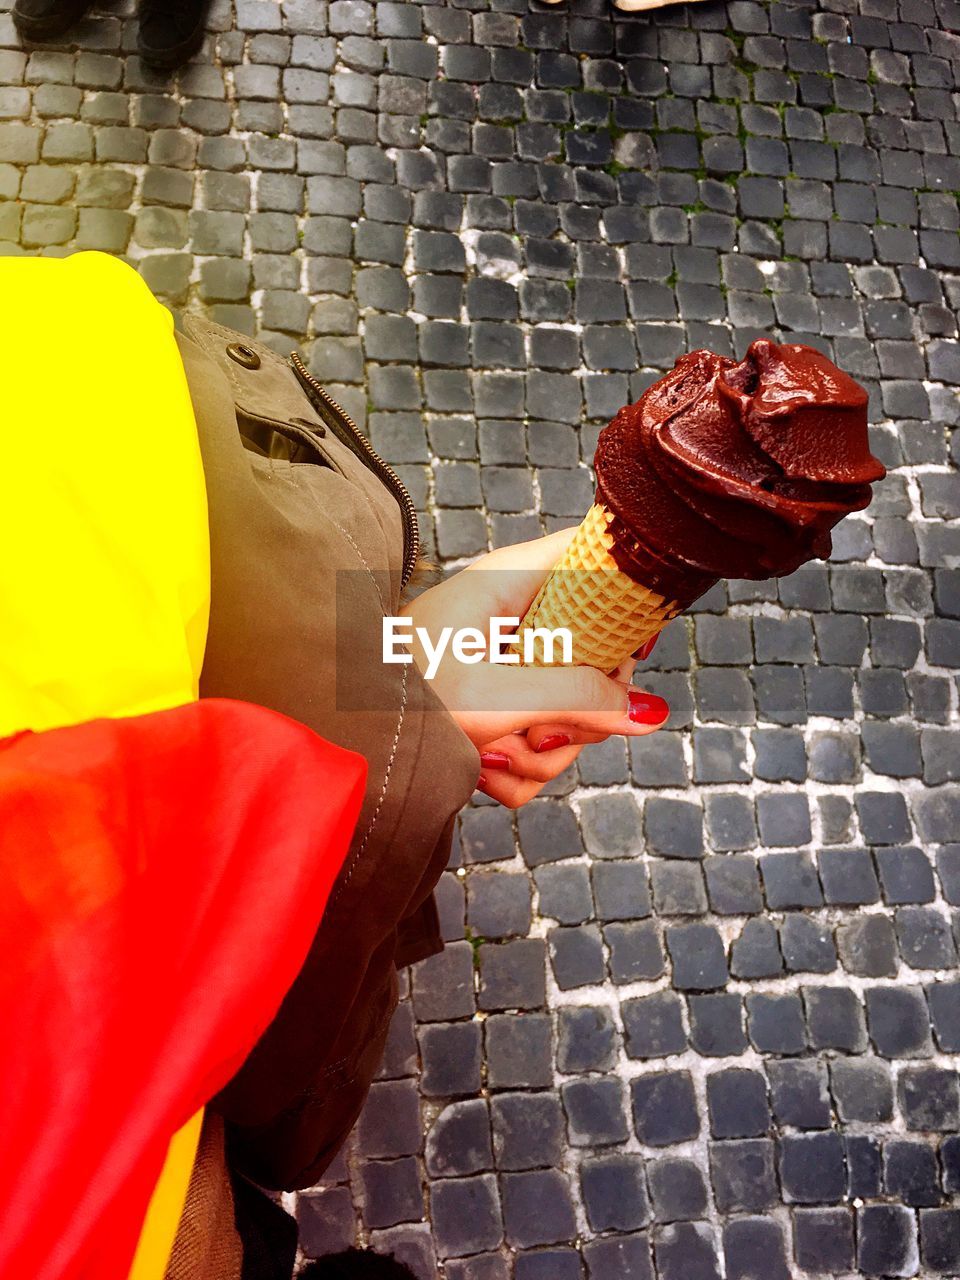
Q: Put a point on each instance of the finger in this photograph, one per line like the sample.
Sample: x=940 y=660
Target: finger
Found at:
x=624 y=673
x=492 y=700
x=514 y=575
x=501 y=583
x=511 y=792
x=548 y=737
x=536 y=556
x=513 y=755
x=647 y=647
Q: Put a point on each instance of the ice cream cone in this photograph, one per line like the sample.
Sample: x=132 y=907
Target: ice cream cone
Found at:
x=722 y=469
x=608 y=614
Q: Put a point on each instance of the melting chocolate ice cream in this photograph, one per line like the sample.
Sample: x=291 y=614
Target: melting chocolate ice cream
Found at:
x=734 y=470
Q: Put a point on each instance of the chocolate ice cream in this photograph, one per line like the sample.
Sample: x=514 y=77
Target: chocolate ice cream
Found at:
x=734 y=470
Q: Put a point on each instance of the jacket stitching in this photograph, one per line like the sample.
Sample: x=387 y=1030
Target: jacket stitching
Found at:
x=360 y=556
x=342 y=884
x=383 y=791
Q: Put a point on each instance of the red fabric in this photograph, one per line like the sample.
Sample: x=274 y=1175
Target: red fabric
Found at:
x=161 y=879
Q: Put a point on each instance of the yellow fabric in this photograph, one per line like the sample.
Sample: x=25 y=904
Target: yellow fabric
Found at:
x=105 y=589
x=166 y=1204
x=103 y=516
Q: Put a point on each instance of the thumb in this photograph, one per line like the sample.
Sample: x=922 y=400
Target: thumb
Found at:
x=503 y=699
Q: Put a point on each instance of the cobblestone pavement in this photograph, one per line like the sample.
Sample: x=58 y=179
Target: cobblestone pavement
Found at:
x=699 y=1010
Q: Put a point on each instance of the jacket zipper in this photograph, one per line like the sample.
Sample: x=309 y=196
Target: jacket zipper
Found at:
x=351 y=435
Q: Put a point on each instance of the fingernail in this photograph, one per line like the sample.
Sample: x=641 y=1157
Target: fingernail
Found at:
x=646 y=648
x=553 y=742
x=481 y=782
x=495 y=760
x=646 y=708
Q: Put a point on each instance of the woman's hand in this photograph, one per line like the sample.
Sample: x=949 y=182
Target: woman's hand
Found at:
x=529 y=723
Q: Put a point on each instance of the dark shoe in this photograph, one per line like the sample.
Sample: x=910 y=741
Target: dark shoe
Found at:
x=45 y=19
x=170 y=32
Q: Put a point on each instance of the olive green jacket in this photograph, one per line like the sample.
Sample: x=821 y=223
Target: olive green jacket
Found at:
x=311 y=544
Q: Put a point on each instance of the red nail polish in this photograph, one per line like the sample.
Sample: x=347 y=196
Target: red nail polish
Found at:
x=495 y=760
x=646 y=708
x=553 y=742
x=646 y=648
x=481 y=782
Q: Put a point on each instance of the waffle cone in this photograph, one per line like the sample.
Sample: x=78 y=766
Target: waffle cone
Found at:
x=608 y=614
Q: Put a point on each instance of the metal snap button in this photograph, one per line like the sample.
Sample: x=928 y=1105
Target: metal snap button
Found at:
x=243 y=355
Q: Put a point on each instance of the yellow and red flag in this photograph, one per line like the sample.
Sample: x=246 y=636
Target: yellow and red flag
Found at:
x=164 y=862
